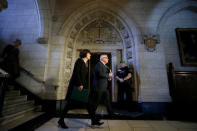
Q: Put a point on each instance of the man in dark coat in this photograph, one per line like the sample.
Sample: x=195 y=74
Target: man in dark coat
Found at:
x=99 y=89
x=10 y=59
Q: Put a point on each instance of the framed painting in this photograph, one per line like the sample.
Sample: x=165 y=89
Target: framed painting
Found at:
x=187 y=42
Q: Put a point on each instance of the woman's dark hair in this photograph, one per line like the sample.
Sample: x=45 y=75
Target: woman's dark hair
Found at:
x=84 y=53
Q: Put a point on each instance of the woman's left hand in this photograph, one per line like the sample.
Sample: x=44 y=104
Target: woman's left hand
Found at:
x=80 y=88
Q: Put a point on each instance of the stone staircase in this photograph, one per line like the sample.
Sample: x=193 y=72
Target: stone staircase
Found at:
x=17 y=110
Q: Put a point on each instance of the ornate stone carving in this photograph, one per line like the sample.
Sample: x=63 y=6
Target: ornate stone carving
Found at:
x=130 y=62
x=68 y=65
x=125 y=34
x=150 y=43
x=93 y=15
x=73 y=35
x=69 y=54
x=85 y=20
x=67 y=70
x=70 y=45
x=119 y=25
x=78 y=26
x=67 y=78
x=129 y=53
x=99 y=32
x=128 y=43
x=103 y=17
x=86 y=37
x=112 y=19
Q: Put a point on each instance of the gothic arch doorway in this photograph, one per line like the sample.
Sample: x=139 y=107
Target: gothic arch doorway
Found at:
x=98 y=30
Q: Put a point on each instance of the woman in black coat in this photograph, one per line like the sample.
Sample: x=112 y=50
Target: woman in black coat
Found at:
x=79 y=79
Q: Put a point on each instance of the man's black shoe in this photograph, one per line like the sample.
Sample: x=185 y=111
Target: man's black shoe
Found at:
x=98 y=120
x=62 y=124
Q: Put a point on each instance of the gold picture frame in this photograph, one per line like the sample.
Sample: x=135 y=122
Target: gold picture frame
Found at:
x=187 y=42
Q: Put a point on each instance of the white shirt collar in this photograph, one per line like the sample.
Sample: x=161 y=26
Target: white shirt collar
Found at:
x=102 y=62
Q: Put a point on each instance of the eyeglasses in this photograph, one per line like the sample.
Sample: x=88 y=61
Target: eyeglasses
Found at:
x=106 y=57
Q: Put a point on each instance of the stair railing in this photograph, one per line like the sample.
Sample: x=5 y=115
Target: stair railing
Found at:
x=36 y=79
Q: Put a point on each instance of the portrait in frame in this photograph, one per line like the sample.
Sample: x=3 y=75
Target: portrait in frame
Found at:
x=187 y=42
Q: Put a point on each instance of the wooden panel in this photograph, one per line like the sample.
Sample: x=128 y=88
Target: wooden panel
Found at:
x=182 y=84
x=186 y=86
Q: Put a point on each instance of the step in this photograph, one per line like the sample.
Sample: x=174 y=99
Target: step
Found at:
x=14 y=101
x=10 y=111
x=9 y=118
x=5 y=107
x=13 y=97
x=10 y=87
x=27 y=117
x=12 y=93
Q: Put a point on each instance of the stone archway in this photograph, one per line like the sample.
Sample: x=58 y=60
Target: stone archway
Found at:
x=179 y=6
x=72 y=28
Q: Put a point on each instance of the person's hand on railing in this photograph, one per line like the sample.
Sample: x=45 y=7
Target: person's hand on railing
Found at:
x=3 y=73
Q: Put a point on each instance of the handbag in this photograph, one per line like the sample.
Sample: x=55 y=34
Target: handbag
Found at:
x=80 y=95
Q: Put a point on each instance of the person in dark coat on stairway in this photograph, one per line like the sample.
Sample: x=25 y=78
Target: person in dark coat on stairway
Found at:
x=10 y=60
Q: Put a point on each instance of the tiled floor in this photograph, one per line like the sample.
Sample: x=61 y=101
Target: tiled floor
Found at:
x=120 y=125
